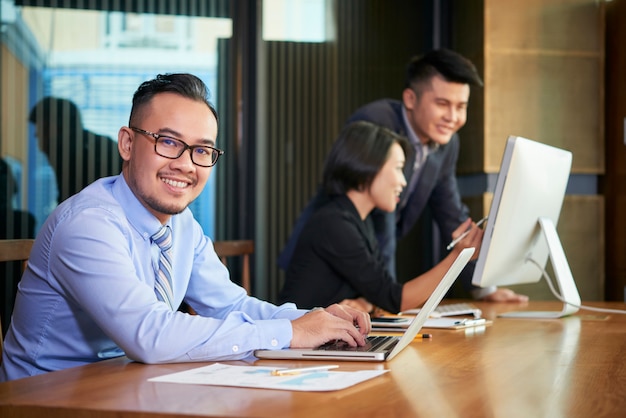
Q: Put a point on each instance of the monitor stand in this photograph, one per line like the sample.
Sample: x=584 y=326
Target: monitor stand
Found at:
x=564 y=279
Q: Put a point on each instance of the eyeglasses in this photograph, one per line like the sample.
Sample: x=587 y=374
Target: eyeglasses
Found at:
x=173 y=148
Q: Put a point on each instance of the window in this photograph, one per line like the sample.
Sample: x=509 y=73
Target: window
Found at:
x=296 y=21
x=96 y=60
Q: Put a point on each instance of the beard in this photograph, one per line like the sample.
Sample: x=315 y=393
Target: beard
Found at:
x=163 y=207
x=154 y=203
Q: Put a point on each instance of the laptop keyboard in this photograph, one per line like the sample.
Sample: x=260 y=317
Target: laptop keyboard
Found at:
x=450 y=309
x=374 y=343
x=455 y=309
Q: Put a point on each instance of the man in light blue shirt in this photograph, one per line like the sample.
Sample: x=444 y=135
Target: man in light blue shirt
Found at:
x=89 y=289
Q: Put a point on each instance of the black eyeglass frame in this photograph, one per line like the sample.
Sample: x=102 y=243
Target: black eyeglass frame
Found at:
x=156 y=137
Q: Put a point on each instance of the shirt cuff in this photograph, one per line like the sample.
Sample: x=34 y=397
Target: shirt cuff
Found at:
x=275 y=334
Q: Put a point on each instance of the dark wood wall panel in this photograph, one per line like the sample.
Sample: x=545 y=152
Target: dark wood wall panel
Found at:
x=614 y=183
x=300 y=123
x=310 y=89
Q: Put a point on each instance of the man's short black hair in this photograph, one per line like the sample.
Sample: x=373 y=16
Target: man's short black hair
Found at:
x=450 y=65
x=186 y=85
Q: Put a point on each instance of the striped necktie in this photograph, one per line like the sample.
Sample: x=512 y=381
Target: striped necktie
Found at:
x=163 y=283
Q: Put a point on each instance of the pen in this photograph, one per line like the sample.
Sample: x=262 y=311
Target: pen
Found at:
x=291 y=372
x=463 y=235
x=420 y=336
x=470 y=321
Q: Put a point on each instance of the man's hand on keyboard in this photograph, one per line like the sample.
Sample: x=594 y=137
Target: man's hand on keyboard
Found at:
x=333 y=323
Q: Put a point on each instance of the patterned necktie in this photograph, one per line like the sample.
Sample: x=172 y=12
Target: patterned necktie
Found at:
x=163 y=283
x=411 y=167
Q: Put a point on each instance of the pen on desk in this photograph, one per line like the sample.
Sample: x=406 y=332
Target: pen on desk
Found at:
x=420 y=336
x=476 y=321
x=463 y=235
x=291 y=372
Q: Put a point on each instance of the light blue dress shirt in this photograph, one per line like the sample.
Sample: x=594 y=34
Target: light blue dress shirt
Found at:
x=88 y=292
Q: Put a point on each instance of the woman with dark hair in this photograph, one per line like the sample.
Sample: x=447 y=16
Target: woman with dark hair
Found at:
x=337 y=258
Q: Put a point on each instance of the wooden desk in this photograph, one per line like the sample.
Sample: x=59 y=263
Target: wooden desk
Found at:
x=571 y=367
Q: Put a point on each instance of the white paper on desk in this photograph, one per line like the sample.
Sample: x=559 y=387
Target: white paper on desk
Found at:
x=260 y=377
x=454 y=323
x=398 y=325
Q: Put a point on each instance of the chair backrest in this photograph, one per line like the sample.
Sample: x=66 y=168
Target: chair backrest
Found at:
x=14 y=250
x=237 y=248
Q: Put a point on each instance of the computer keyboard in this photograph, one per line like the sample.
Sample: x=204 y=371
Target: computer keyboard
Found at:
x=374 y=343
x=452 y=309
x=455 y=309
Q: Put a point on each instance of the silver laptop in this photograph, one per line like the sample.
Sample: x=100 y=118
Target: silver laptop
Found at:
x=378 y=348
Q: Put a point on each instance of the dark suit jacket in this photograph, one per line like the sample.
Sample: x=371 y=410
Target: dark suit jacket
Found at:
x=337 y=258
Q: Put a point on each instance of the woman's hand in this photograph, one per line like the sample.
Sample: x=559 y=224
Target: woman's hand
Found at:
x=360 y=304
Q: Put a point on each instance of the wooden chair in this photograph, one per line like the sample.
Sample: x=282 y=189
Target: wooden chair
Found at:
x=14 y=250
x=237 y=248
x=226 y=250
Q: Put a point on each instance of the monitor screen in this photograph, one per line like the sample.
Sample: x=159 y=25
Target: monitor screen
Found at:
x=522 y=219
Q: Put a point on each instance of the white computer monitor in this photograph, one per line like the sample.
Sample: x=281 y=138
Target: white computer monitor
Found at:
x=522 y=222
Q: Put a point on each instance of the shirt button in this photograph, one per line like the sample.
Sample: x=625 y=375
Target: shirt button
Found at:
x=274 y=342
x=235 y=348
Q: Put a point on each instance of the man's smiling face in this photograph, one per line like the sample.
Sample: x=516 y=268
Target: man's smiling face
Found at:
x=167 y=186
x=440 y=110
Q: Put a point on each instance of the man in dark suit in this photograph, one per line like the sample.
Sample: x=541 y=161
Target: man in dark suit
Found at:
x=78 y=156
x=433 y=108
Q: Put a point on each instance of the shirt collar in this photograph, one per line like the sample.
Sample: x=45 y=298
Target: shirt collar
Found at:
x=414 y=139
x=138 y=216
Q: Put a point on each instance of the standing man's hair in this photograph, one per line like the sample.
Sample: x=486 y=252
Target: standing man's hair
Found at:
x=186 y=85
x=451 y=66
